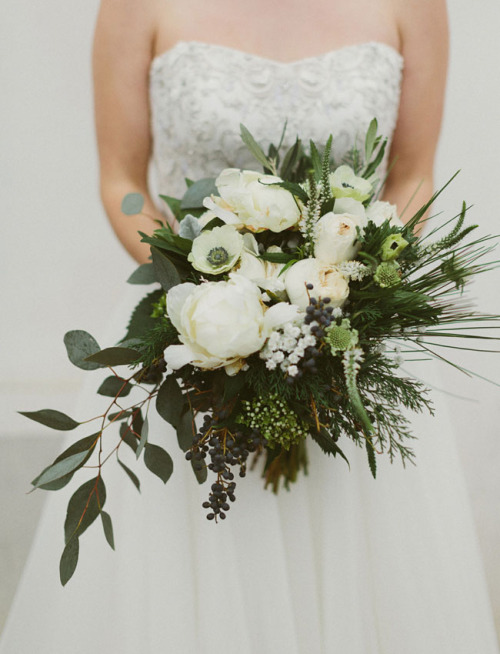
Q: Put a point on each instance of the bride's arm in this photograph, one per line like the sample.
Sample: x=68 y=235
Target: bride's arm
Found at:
x=123 y=47
x=424 y=38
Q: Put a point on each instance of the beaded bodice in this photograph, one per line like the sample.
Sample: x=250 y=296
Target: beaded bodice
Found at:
x=201 y=92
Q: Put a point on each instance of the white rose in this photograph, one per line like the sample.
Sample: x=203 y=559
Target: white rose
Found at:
x=250 y=199
x=326 y=279
x=379 y=212
x=345 y=183
x=220 y=323
x=336 y=237
x=217 y=250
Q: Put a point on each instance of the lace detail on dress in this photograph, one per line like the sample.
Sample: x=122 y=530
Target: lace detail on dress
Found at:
x=200 y=93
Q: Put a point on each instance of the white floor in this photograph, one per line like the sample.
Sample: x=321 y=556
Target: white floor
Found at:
x=21 y=459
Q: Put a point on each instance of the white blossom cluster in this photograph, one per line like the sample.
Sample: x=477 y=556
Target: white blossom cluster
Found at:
x=286 y=347
x=354 y=270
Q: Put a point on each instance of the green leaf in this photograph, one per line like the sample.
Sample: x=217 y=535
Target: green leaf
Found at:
x=141 y=321
x=69 y=560
x=201 y=475
x=115 y=356
x=132 y=204
x=316 y=160
x=372 y=460
x=84 y=506
x=197 y=192
x=233 y=385
x=144 y=437
x=60 y=469
x=79 y=345
x=128 y=437
x=107 y=525
x=86 y=444
x=170 y=401
x=294 y=189
x=276 y=257
x=290 y=159
x=143 y=275
x=51 y=418
x=158 y=461
x=189 y=182
x=215 y=222
x=132 y=476
x=327 y=443
x=165 y=271
x=371 y=135
x=174 y=205
x=254 y=147
x=57 y=484
x=112 y=385
x=185 y=430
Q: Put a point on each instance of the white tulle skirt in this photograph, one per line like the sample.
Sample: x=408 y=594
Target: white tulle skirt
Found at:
x=340 y=564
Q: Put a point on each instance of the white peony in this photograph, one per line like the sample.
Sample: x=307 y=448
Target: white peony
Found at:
x=263 y=273
x=217 y=250
x=336 y=237
x=344 y=183
x=379 y=212
x=326 y=279
x=352 y=207
x=250 y=199
x=221 y=323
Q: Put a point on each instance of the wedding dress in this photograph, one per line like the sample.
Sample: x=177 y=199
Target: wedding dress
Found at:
x=340 y=564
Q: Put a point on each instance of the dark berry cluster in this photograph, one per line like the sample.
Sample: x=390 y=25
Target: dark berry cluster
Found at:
x=225 y=450
x=153 y=374
x=318 y=311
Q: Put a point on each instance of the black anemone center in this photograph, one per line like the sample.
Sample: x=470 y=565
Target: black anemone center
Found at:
x=218 y=256
x=346 y=185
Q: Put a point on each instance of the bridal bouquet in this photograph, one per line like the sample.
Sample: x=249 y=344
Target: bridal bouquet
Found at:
x=284 y=308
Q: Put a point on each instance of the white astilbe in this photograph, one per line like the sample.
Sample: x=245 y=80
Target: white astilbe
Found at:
x=286 y=347
x=355 y=270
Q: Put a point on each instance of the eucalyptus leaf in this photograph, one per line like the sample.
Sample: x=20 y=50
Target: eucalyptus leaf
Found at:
x=145 y=274
x=115 y=356
x=128 y=437
x=201 y=475
x=144 y=437
x=170 y=401
x=185 y=430
x=190 y=227
x=112 y=385
x=80 y=345
x=215 y=222
x=84 y=507
x=158 y=461
x=60 y=469
x=132 y=204
x=107 y=525
x=69 y=560
x=197 y=192
x=51 y=418
x=132 y=476
x=165 y=271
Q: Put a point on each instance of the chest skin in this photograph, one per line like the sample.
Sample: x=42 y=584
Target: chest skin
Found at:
x=284 y=31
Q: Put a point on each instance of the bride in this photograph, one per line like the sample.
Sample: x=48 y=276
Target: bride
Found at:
x=341 y=564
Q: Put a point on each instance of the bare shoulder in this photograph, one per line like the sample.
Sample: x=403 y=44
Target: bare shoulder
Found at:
x=423 y=24
x=127 y=26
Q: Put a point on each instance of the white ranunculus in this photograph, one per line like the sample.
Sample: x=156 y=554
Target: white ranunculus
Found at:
x=250 y=199
x=344 y=183
x=220 y=323
x=352 y=207
x=217 y=250
x=336 y=237
x=326 y=279
x=263 y=273
x=379 y=212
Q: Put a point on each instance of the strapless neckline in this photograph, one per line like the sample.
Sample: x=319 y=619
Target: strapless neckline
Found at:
x=336 y=52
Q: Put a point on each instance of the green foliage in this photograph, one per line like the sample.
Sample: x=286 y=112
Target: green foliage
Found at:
x=141 y=321
x=84 y=507
x=51 y=418
x=197 y=192
x=132 y=204
x=69 y=560
x=112 y=386
x=143 y=275
x=165 y=271
x=131 y=475
x=170 y=401
x=80 y=345
x=107 y=526
x=114 y=356
x=159 y=462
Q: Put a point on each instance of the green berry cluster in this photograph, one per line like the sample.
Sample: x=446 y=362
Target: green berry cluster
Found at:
x=274 y=419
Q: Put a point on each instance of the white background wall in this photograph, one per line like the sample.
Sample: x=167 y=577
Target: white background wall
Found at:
x=63 y=269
